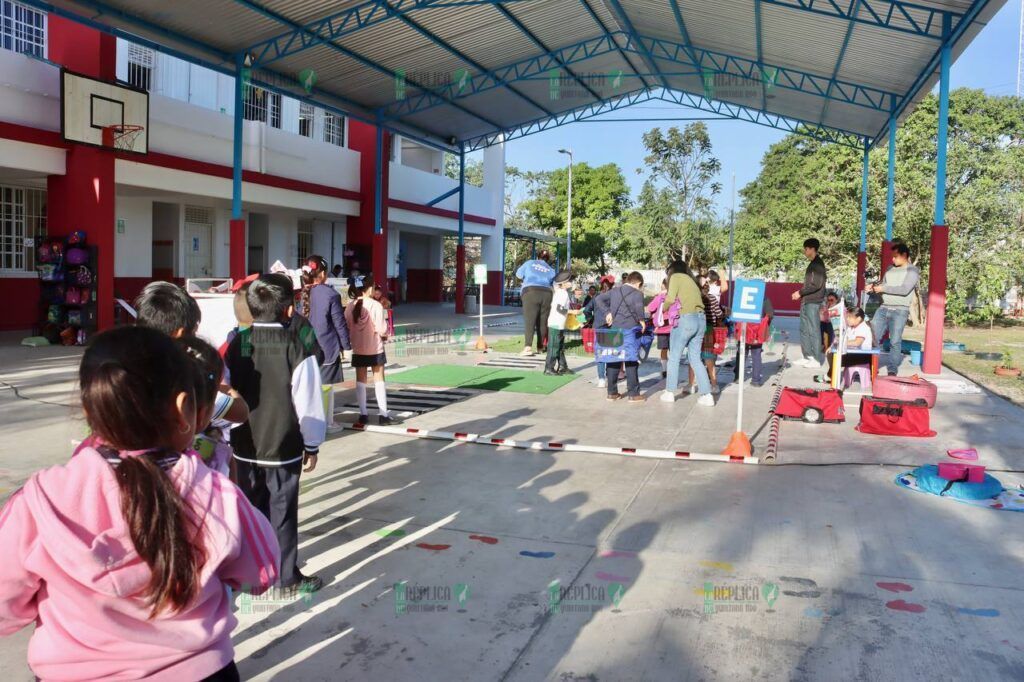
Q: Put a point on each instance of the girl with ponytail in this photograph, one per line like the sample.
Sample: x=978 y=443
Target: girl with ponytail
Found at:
x=121 y=557
x=368 y=329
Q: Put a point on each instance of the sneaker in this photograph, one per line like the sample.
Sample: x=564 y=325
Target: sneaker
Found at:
x=334 y=427
x=387 y=421
x=602 y=383
x=667 y=397
x=363 y=419
x=636 y=399
x=706 y=400
x=664 y=375
x=306 y=584
x=565 y=370
x=550 y=372
x=526 y=352
x=715 y=388
x=693 y=389
x=614 y=396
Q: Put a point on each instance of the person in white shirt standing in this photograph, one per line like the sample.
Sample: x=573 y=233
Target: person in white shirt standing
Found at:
x=556 y=363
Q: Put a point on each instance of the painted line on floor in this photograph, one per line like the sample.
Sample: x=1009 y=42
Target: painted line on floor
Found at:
x=549 y=446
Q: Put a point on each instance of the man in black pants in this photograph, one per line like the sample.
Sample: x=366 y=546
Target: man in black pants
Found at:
x=537 y=275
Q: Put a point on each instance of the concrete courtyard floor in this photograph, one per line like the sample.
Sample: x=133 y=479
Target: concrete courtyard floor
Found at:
x=442 y=558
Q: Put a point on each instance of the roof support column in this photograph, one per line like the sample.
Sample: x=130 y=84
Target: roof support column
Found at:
x=378 y=181
x=460 y=250
x=236 y=230
x=890 y=196
x=936 y=311
x=862 y=256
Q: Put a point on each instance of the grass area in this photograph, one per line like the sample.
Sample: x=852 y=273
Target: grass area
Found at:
x=483 y=378
x=1004 y=337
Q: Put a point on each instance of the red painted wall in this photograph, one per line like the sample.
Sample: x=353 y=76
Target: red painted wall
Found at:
x=423 y=285
x=363 y=139
x=492 y=290
x=781 y=296
x=22 y=309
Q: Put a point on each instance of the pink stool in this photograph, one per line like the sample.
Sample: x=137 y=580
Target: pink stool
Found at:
x=862 y=373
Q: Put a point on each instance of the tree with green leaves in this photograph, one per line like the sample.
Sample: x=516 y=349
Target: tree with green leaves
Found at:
x=474 y=169
x=808 y=188
x=673 y=215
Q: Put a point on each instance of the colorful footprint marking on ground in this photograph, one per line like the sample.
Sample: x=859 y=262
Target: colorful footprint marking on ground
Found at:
x=611 y=577
x=720 y=565
x=486 y=539
x=433 y=548
x=393 y=533
x=984 y=613
x=895 y=587
x=900 y=605
x=537 y=555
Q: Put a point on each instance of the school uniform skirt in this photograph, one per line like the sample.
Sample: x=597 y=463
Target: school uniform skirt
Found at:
x=380 y=359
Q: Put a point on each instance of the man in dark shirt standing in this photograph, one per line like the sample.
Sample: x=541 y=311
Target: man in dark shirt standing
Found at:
x=811 y=296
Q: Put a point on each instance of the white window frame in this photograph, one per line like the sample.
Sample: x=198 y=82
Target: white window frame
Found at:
x=334 y=129
x=22 y=215
x=304 y=240
x=260 y=104
x=141 y=60
x=17 y=33
x=307 y=116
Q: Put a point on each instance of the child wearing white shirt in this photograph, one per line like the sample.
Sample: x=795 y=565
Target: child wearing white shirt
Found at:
x=858 y=336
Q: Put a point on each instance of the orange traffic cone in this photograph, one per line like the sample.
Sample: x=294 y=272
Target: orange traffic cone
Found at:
x=481 y=344
x=739 y=445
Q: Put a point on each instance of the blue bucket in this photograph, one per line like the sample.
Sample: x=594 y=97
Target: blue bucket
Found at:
x=915 y=358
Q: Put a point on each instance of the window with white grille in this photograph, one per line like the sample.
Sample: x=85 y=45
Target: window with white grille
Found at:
x=22 y=221
x=304 y=240
x=140 y=66
x=262 y=105
x=22 y=29
x=306 y=115
x=334 y=129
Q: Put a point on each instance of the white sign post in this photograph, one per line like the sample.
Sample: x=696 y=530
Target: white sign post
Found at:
x=480 y=276
x=748 y=304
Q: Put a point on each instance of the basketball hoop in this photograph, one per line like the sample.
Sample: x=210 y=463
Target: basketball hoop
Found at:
x=121 y=136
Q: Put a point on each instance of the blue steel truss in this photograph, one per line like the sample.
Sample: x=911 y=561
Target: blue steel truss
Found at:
x=722 y=110
x=707 y=62
x=347 y=22
x=906 y=17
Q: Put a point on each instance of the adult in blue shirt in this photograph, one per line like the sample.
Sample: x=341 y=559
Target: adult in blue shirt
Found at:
x=537 y=275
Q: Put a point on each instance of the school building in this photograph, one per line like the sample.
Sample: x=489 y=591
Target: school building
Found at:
x=308 y=181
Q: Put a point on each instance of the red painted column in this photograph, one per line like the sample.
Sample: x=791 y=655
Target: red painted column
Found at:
x=886 y=257
x=237 y=249
x=363 y=139
x=936 y=314
x=862 y=264
x=460 y=278
x=84 y=197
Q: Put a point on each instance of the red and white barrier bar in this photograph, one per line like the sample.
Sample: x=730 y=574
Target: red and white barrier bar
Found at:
x=548 y=446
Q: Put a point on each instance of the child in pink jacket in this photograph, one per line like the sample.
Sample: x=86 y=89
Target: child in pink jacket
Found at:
x=121 y=557
x=663 y=323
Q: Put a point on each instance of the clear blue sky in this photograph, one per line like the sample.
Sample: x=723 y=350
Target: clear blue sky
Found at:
x=990 y=62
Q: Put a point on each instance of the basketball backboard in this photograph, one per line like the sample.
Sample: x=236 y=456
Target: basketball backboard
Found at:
x=103 y=113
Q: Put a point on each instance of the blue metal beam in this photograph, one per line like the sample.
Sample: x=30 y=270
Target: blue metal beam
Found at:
x=353 y=55
x=346 y=22
x=683 y=32
x=632 y=32
x=864 y=198
x=236 y=141
x=905 y=17
x=890 y=187
x=532 y=66
x=943 y=135
x=539 y=43
x=466 y=58
x=605 y=31
x=378 y=183
x=760 y=52
x=953 y=35
x=854 y=8
x=711 y=62
x=441 y=197
x=462 y=197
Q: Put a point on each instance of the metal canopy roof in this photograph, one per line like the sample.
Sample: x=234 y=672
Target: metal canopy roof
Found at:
x=473 y=72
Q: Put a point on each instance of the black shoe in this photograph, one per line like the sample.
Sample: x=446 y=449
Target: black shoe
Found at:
x=363 y=419
x=306 y=584
x=664 y=375
x=757 y=384
x=387 y=421
x=564 y=370
x=550 y=372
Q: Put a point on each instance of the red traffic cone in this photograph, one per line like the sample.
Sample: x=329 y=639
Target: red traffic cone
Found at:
x=739 y=445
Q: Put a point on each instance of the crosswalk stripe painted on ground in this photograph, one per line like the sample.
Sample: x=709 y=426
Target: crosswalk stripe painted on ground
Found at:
x=515 y=362
x=415 y=401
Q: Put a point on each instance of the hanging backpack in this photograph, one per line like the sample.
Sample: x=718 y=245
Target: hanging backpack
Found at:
x=883 y=417
x=73 y=296
x=77 y=256
x=76 y=237
x=82 y=276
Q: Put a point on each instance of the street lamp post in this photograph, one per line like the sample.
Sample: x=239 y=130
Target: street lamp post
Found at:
x=568 y=223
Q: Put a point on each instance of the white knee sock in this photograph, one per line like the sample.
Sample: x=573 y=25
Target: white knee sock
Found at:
x=664 y=365
x=380 y=389
x=361 y=397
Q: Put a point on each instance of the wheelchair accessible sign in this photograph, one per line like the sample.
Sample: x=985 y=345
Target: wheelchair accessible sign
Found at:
x=748 y=300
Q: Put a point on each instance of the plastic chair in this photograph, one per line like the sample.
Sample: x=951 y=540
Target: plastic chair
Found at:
x=862 y=373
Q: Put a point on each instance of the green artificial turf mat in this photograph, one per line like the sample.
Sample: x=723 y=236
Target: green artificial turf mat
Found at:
x=519 y=381
x=442 y=375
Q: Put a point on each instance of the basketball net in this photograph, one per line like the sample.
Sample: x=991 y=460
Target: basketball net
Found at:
x=121 y=136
